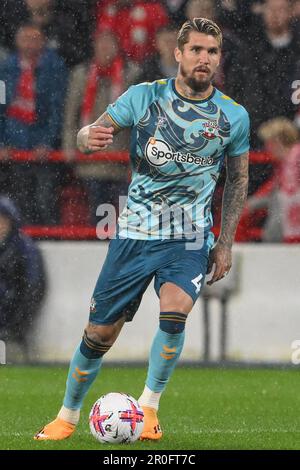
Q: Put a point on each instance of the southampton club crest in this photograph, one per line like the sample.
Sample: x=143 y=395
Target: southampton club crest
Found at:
x=162 y=122
x=93 y=305
x=210 y=130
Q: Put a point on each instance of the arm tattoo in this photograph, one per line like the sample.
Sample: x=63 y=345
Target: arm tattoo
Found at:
x=106 y=121
x=234 y=197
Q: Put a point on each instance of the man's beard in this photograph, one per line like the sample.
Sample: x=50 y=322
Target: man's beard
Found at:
x=199 y=86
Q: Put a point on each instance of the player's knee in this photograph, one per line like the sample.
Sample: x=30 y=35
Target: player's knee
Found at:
x=100 y=334
x=172 y=322
x=97 y=340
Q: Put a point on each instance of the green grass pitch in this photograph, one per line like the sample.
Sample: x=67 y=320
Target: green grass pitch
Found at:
x=201 y=408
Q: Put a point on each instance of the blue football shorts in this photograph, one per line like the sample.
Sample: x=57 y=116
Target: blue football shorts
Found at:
x=129 y=267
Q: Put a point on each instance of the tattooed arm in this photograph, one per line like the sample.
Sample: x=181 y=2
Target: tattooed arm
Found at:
x=98 y=135
x=234 y=198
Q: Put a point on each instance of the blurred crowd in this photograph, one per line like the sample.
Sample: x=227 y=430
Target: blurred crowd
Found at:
x=64 y=61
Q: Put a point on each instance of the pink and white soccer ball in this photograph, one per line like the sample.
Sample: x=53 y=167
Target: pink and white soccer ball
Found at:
x=116 y=418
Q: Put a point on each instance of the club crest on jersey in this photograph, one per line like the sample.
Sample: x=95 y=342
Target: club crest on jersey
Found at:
x=161 y=122
x=210 y=130
x=93 y=305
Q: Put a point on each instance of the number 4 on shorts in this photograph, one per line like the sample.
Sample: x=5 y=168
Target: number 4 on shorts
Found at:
x=197 y=282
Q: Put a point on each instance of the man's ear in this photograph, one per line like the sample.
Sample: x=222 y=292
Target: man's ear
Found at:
x=177 y=54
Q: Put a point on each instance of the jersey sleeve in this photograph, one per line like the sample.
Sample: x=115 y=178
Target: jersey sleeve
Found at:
x=129 y=107
x=240 y=139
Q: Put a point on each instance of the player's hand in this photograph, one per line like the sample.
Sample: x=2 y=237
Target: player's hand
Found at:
x=97 y=138
x=221 y=259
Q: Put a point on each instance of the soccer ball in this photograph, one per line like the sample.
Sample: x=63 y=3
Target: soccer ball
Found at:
x=116 y=418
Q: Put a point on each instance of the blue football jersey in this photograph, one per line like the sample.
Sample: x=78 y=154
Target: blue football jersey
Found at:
x=178 y=146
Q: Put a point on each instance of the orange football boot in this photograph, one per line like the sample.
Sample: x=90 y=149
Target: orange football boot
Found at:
x=152 y=430
x=55 y=431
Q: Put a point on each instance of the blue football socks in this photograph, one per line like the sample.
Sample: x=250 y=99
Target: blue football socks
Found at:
x=83 y=370
x=166 y=348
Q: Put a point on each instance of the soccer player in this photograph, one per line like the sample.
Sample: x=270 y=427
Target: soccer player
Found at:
x=183 y=129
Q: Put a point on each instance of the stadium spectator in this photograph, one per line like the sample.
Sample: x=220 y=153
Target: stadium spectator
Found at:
x=92 y=86
x=175 y=10
x=239 y=16
x=162 y=63
x=205 y=7
x=31 y=119
x=261 y=79
x=66 y=25
x=22 y=278
x=281 y=139
x=135 y=23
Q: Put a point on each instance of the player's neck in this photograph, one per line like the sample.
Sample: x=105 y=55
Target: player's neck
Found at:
x=187 y=92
